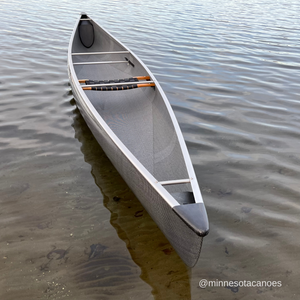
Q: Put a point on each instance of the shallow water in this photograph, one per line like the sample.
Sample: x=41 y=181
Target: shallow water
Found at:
x=70 y=227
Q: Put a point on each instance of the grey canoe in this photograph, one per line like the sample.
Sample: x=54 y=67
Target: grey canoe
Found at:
x=131 y=118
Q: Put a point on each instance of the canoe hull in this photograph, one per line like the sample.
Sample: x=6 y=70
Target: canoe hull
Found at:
x=155 y=164
x=184 y=240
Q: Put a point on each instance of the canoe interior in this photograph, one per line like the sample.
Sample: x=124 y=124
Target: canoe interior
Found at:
x=139 y=117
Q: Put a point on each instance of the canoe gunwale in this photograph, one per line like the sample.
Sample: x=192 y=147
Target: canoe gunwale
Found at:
x=93 y=113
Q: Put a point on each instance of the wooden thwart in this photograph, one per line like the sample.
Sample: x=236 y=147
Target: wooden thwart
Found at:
x=118 y=83
x=132 y=79
x=118 y=86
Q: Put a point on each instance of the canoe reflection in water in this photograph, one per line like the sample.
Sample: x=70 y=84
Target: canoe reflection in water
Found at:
x=160 y=265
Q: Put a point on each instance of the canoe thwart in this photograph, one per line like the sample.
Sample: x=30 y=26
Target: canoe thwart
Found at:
x=178 y=181
x=117 y=87
x=101 y=53
x=127 y=61
x=113 y=84
x=101 y=62
x=194 y=215
x=132 y=79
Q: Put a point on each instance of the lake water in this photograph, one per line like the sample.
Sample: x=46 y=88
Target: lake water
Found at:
x=71 y=228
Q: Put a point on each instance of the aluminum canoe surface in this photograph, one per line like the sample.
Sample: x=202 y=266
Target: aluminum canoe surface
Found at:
x=131 y=118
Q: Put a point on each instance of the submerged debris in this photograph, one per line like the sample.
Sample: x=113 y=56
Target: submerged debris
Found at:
x=96 y=250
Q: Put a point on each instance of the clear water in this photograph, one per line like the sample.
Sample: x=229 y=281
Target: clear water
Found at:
x=71 y=228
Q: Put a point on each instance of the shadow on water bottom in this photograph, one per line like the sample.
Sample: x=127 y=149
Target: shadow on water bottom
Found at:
x=160 y=265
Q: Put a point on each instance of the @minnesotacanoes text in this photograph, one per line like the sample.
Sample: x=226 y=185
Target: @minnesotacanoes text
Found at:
x=203 y=283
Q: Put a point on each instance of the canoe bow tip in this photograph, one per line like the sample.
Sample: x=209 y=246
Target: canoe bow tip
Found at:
x=195 y=216
x=83 y=15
